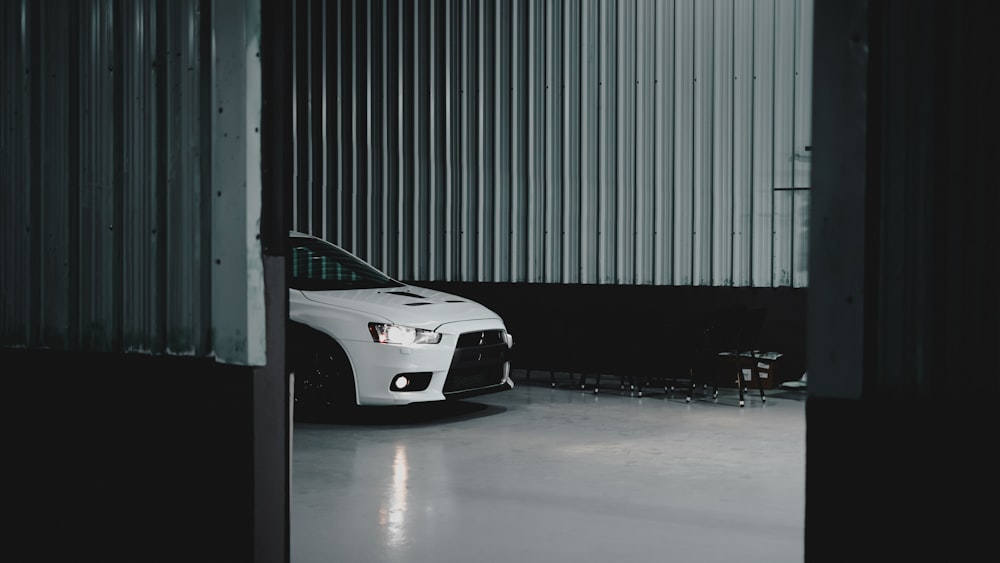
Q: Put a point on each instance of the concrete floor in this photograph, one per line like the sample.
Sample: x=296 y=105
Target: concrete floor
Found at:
x=542 y=474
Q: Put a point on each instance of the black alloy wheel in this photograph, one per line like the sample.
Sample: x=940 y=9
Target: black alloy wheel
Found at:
x=324 y=382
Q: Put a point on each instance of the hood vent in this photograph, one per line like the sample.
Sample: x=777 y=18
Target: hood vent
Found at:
x=416 y=304
x=405 y=294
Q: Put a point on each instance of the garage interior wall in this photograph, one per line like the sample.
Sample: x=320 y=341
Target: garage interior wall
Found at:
x=131 y=172
x=569 y=142
x=132 y=285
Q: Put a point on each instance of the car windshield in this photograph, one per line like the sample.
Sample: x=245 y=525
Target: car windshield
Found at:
x=318 y=265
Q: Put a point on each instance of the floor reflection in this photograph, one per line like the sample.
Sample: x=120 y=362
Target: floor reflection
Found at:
x=392 y=512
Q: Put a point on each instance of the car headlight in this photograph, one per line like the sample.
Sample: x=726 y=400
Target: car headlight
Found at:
x=386 y=333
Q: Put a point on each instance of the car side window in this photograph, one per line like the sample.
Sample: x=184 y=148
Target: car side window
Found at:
x=310 y=265
x=319 y=266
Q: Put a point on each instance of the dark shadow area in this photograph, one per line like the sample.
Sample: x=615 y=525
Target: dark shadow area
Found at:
x=408 y=415
x=631 y=330
x=122 y=452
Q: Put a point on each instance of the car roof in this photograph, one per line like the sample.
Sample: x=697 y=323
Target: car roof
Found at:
x=300 y=234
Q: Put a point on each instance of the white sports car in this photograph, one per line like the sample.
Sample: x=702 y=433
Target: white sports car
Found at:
x=358 y=337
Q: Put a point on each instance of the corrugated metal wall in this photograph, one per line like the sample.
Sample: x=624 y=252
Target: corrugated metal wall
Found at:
x=130 y=177
x=577 y=141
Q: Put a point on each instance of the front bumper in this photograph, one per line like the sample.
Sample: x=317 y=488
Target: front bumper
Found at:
x=473 y=358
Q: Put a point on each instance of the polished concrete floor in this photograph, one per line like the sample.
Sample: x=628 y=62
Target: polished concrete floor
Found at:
x=543 y=474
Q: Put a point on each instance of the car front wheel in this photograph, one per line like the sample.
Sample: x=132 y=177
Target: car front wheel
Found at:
x=324 y=382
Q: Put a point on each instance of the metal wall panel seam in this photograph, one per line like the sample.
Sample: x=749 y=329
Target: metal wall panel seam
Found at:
x=164 y=281
x=547 y=266
x=496 y=66
x=703 y=133
x=514 y=152
x=635 y=171
x=733 y=148
x=481 y=211
x=762 y=147
x=721 y=158
x=783 y=200
x=361 y=222
x=600 y=143
x=398 y=266
x=432 y=146
x=619 y=148
x=773 y=235
x=118 y=176
x=317 y=156
x=584 y=116
x=33 y=139
x=656 y=240
x=307 y=118
x=466 y=232
x=504 y=146
x=742 y=136
x=628 y=77
x=296 y=112
x=665 y=138
x=803 y=59
x=565 y=272
x=322 y=150
x=308 y=157
x=15 y=276
x=414 y=249
x=73 y=182
x=383 y=186
x=335 y=223
x=639 y=142
x=466 y=189
x=448 y=118
x=532 y=184
x=349 y=237
x=332 y=225
x=684 y=127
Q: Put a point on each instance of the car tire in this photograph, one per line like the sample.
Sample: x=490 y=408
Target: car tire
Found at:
x=324 y=381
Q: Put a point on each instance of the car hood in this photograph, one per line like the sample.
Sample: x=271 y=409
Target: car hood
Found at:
x=406 y=305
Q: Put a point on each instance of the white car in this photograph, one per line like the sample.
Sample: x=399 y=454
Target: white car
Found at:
x=358 y=337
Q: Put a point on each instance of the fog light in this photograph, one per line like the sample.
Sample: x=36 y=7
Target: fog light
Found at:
x=413 y=381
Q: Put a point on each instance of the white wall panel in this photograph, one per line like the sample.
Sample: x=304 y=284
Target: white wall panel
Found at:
x=645 y=253
x=784 y=147
x=684 y=142
x=743 y=143
x=802 y=101
x=722 y=131
x=591 y=141
x=664 y=139
x=762 y=144
x=589 y=85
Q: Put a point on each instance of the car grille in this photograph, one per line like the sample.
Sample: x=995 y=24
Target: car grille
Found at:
x=479 y=361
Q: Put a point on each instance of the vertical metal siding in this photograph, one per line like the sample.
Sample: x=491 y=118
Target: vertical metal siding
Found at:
x=14 y=287
x=723 y=146
x=664 y=163
x=592 y=141
x=684 y=143
x=762 y=175
x=801 y=182
x=115 y=236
